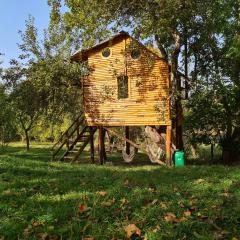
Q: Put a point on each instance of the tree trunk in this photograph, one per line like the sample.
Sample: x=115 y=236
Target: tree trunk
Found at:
x=177 y=86
x=186 y=66
x=212 y=152
x=2 y=136
x=27 y=139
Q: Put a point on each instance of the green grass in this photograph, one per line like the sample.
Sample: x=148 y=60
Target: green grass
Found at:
x=40 y=199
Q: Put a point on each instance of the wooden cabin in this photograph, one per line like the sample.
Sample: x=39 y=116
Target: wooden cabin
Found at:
x=127 y=84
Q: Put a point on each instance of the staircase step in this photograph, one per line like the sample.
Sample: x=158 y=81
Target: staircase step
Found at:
x=73 y=151
x=82 y=140
x=70 y=157
x=85 y=136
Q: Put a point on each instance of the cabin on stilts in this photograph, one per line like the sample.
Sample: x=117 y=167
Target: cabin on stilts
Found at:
x=127 y=85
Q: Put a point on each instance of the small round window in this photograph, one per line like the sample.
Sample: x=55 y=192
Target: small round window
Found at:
x=135 y=54
x=106 y=52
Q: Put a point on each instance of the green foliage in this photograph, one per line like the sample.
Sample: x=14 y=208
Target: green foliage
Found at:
x=7 y=128
x=45 y=84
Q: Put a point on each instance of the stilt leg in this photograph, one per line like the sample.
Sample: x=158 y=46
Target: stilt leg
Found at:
x=127 y=135
x=168 y=145
x=92 y=144
x=101 y=145
x=104 y=149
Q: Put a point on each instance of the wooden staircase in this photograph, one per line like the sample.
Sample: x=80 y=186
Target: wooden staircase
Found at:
x=73 y=141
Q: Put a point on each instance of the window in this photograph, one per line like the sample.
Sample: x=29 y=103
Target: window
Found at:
x=122 y=87
x=106 y=52
x=135 y=54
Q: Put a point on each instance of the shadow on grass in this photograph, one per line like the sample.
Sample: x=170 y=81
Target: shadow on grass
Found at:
x=38 y=196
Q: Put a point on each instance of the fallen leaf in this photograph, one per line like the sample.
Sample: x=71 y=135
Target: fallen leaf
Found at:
x=175 y=189
x=10 y=192
x=187 y=213
x=88 y=238
x=202 y=217
x=170 y=217
x=126 y=183
x=124 y=201
x=42 y=236
x=82 y=208
x=154 y=201
x=182 y=219
x=117 y=211
x=163 y=205
x=101 y=193
x=156 y=228
x=192 y=208
x=131 y=230
x=27 y=232
x=181 y=205
x=108 y=203
x=224 y=194
x=36 y=223
x=152 y=188
x=199 y=180
x=53 y=237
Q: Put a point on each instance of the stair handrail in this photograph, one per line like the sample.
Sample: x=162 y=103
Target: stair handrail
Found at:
x=78 y=120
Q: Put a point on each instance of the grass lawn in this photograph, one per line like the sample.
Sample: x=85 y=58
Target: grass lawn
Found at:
x=40 y=199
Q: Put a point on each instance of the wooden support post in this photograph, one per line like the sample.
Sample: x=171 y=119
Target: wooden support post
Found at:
x=127 y=135
x=92 y=144
x=168 y=145
x=101 y=145
x=104 y=149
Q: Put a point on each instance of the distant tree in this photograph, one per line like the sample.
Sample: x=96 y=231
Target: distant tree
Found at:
x=26 y=105
x=44 y=71
x=51 y=71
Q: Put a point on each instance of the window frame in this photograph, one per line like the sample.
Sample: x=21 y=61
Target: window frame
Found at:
x=104 y=50
x=136 y=49
x=125 y=78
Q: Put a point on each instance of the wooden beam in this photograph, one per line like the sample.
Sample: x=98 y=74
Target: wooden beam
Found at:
x=101 y=145
x=127 y=135
x=92 y=144
x=168 y=145
x=125 y=139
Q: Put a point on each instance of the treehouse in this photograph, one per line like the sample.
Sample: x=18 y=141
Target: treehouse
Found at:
x=127 y=85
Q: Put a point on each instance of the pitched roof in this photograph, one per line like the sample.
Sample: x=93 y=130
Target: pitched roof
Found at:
x=82 y=54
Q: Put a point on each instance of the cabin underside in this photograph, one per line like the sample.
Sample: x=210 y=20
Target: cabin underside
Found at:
x=74 y=140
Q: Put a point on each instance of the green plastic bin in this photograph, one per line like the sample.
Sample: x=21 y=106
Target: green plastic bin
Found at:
x=179 y=159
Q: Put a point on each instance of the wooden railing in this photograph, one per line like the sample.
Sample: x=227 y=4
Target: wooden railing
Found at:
x=68 y=139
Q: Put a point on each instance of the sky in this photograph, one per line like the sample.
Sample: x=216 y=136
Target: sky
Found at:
x=13 y=14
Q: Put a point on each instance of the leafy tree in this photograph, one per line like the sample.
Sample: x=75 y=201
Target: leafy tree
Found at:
x=178 y=32
x=44 y=69
x=202 y=37
x=51 y=70
x=26 y=104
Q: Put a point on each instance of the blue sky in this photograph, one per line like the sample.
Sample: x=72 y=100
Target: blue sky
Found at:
x=13 y=14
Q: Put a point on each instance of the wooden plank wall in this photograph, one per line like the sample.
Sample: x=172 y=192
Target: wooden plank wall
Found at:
x=148 y=102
